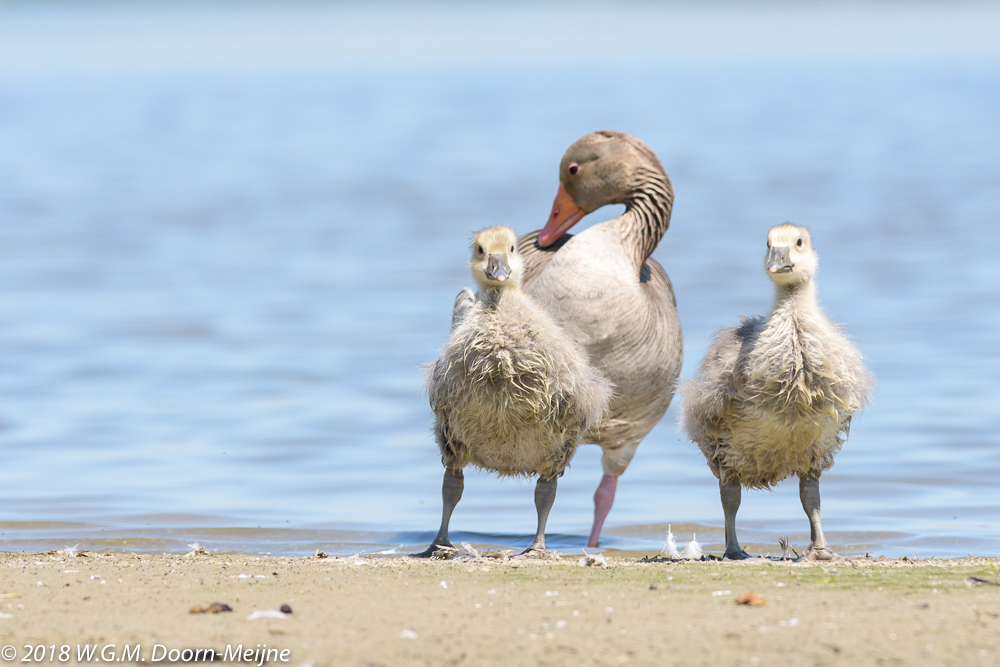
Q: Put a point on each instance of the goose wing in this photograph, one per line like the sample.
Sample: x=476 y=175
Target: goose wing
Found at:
x=706 y=396
x=652 y=276
x=535 y=257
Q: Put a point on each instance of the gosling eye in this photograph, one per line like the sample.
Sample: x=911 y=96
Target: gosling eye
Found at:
x=573 y=169
x=512 y=248
x=480 y=250
x=799 y=243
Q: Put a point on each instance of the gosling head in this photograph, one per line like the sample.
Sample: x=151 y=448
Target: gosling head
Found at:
x=791 y=260
x=495 y=262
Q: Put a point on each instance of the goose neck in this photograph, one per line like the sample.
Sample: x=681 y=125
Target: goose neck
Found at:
x=798 y=298
x=647 y=213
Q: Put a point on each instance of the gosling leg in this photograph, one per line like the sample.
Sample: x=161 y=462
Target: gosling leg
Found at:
x=545 y=495
x=809 y=495
x=451 y=493
x=604 y=498
x=731 y=496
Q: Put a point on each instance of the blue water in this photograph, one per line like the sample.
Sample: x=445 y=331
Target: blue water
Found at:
x=230 y=237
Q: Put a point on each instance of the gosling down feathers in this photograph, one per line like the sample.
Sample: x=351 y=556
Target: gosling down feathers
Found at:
x=616 y=296
x=775 y=396
x=512 y=392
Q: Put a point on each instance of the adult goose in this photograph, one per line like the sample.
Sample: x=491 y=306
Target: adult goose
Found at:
x=605 y=284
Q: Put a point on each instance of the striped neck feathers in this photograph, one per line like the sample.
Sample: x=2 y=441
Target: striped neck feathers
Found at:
x=647 y=213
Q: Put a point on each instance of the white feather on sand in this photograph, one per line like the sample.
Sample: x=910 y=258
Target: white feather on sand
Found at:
x=693 y=549
x=670 y=545
x=592 y=560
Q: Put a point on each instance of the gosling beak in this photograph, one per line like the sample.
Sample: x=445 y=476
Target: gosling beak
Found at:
x=778 y=261
x=565 y=214
x=497 y=268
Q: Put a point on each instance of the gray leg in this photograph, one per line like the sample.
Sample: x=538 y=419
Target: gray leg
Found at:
x=545 y=495
x=451 y=493
x=809 y=494
x=731 y=495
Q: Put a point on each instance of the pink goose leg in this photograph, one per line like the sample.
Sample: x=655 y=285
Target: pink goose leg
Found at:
x=604 y=498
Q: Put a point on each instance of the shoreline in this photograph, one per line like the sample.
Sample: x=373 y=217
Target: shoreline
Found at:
x=492 y=611
x=298 y=542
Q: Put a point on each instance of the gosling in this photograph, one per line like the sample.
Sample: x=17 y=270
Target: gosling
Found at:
x=512 y=393
x=775 y=396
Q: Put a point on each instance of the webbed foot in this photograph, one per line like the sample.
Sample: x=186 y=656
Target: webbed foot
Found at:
x=737 y=555
x=535 y=552
x=822 y=553
x=432 y=549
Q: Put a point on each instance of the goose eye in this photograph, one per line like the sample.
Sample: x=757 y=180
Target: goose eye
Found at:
x=573 y=168
x=480 y=250
x=512 y=248
x=799 y=243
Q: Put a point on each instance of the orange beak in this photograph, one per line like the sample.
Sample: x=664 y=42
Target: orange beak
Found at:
x=565 y=214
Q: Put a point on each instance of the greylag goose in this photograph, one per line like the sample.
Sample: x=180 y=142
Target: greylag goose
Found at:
x=604 y=282
x=775 y=395
x=512 y=392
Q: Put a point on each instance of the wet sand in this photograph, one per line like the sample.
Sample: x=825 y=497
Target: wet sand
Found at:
x=400 y=611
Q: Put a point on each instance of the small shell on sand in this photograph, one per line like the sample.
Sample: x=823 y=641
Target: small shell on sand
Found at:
x=214 y=608
x=750 y=599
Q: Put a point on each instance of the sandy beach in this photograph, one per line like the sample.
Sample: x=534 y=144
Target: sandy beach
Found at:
x=486 y=611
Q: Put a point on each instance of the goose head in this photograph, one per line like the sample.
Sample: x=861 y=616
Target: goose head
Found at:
x=495 y=262
x=600 y=168
x=791 y=259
